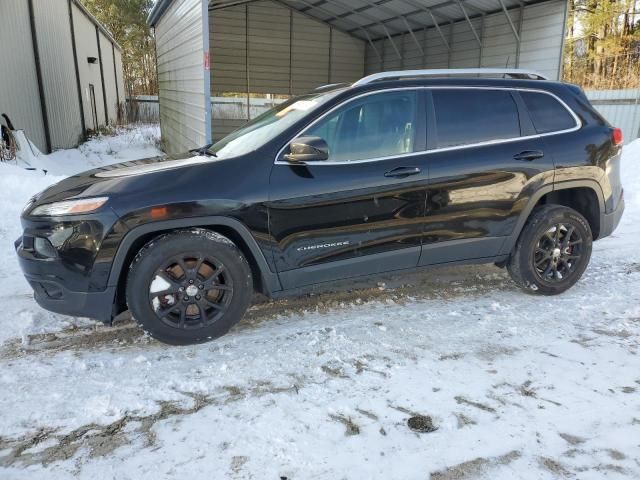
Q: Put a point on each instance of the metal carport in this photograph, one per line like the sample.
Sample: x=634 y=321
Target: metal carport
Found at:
x=221 y=62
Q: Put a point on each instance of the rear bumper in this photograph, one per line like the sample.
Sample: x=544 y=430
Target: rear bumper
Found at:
x=51 y=293
x=609 y=221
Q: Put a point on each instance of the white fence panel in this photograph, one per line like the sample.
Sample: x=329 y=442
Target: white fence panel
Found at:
x=621 y=108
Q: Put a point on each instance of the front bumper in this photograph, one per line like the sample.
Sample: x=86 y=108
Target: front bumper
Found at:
x=51 y=291
x=609 y=221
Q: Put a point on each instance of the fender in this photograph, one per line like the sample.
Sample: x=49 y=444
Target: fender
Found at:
x=270 y=280
x=510 y=241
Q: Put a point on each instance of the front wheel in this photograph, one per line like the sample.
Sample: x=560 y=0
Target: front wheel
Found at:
x=553 y=250
x=189 y=286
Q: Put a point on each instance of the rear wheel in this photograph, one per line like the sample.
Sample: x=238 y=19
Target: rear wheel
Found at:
x=552 y=252
x=189 y=286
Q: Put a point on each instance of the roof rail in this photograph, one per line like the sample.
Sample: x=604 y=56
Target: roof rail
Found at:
x=511 y=72
x=330 y=85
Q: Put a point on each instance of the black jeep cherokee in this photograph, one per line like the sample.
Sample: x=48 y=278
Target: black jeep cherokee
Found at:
x=397 y=171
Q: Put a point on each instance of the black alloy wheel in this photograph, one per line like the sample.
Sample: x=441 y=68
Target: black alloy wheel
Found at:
x=552 y=251
x=558 y=252
x=190 y=291
x=189 y=286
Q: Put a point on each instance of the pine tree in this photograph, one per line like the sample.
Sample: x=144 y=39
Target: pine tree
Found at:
x=603 y=47
x=127 y=21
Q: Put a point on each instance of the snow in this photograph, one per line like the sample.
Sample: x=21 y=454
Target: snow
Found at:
x=518 y=386
x=18 y=185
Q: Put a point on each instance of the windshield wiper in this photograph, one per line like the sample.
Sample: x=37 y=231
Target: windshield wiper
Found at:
x=204 y=150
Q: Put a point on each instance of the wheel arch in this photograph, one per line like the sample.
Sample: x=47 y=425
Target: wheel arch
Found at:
x=265 y=281
x=558 y=192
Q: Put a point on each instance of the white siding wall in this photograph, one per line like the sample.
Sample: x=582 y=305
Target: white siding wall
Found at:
x=58 y=73
x=499 y=46
x=184 y=102
x=541 y=35
x=19 y=96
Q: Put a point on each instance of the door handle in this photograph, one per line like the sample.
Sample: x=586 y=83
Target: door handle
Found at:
x=529 y=155
x=402 y=172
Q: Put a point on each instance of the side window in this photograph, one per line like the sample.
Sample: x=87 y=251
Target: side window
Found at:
x=547 y=113
x=464 y=117
x=378 y=125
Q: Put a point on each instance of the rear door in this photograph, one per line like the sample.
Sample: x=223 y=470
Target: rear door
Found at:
x=485 y=163
x=362 y=210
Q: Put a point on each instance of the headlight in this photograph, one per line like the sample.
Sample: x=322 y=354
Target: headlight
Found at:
x=69 y=207
x=28 y=206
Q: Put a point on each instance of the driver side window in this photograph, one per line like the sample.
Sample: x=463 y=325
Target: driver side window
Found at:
x=375 y=126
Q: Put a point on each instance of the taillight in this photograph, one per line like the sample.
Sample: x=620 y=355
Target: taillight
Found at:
x=617 y=137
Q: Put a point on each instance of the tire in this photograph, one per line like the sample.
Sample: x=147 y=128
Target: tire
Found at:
x=189 y=286
x=546 y=262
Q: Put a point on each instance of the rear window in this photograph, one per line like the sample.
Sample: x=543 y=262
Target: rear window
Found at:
x=465 y=117
x=547 y=113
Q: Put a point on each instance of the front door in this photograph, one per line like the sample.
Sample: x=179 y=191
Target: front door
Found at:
x=362 y=210
x=485 y=163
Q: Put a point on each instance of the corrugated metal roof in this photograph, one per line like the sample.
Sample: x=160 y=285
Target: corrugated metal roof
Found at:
x=376 y=19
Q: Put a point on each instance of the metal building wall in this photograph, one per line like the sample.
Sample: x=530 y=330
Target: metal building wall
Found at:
x=621 y=108
x=184 y=95
x=58 y=72
x=229 y=68
x=59 y=96
x=542 y=37
x=540 y=28
x=267 y=49
x=310 y=54
x=87 y=46
x=110 y=83
x=347 y=58
x=19 y=97
x=120 y=76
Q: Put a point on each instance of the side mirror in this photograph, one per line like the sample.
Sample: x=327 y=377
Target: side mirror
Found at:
x=307 y=149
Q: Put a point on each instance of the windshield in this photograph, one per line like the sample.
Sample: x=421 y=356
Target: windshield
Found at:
x=270 y=124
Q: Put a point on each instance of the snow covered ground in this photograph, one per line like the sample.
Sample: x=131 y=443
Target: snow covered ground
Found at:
x=322 y=386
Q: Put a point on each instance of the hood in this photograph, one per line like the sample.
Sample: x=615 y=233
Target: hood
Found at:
x=117 y=178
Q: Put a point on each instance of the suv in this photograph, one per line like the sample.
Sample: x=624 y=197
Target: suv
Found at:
x=397 y=171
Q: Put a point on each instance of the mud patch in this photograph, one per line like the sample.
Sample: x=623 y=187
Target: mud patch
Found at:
x=367 y=414
x=616 y=454
x=102 y=440
x=237 y=463
x=334 y=371
x=351 y=428
x=475 y=467
x=338 y=295
x=464 y=421
x=463 y=401
x=622 y=334
x=451 y=356
x=572 y=439
x=554 y=467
